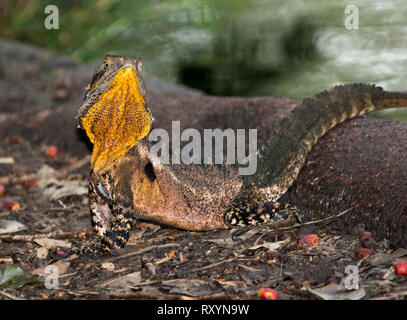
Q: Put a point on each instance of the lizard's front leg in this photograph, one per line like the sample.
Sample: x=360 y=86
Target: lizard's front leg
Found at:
x=121 y=225
x=112 y=218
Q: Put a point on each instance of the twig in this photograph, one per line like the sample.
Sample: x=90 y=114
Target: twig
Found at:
x=10 y=296
x=31 y=237
x=220 y=262
x=153 y=247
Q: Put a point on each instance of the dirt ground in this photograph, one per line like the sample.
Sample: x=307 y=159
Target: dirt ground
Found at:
x=161 y=262
x=164 y=263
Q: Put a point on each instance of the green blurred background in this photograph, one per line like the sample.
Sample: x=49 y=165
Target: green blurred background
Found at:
x=285 y=48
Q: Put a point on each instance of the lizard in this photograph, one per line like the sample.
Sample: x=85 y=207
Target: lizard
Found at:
x=127 y=183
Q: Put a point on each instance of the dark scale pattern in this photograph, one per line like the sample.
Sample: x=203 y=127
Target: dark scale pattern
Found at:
x=122 y=223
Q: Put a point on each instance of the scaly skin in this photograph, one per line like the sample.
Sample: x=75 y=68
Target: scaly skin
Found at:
x=283 y=155
x=126 y=183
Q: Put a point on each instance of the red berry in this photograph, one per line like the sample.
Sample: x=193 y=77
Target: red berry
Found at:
x=309 y=239
x=363 y=253
x=31 y=184
x=51 y=151
x=267 y=294
x=2 y=189
x=401 y=268
x=11 y=205
x=366 y=235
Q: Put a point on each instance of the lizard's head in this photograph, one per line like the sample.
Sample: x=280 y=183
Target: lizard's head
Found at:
x=114 y=113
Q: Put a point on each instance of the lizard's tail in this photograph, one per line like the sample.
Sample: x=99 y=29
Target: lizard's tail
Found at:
x=283 y=155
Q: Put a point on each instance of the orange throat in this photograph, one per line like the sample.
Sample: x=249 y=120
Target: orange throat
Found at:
x=117 y=120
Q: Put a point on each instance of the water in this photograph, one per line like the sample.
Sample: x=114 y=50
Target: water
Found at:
x=285 y=48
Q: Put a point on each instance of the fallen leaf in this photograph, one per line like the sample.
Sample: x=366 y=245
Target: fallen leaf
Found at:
x=136 y=236
x=56 y=189
x=270 y=245
x=378 y=259
x=7 y=160
x=224 y=242
x=124 y=283
x=169 y=256
x=390 y=274
x=190 y=287
x=11 y=276
x=44 y=175
x=334 y=291
x=52 y=243
x=42 y=253
x=10 y=226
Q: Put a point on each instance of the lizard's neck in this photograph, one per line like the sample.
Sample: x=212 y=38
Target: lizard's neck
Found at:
x=117 y=120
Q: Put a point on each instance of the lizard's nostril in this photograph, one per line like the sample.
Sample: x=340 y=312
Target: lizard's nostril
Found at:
x=149 y=171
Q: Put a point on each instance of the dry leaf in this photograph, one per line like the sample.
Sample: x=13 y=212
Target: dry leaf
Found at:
x=190 y=287
x=56 y=189
x=334 y=291
x=124 y=282
x=42 y=253
x=270 y=245
x=10 y=226
x=248 y=235
x=224 y=242
x=7 y=160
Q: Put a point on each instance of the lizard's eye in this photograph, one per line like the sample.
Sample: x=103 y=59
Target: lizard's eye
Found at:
x=106 y=65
